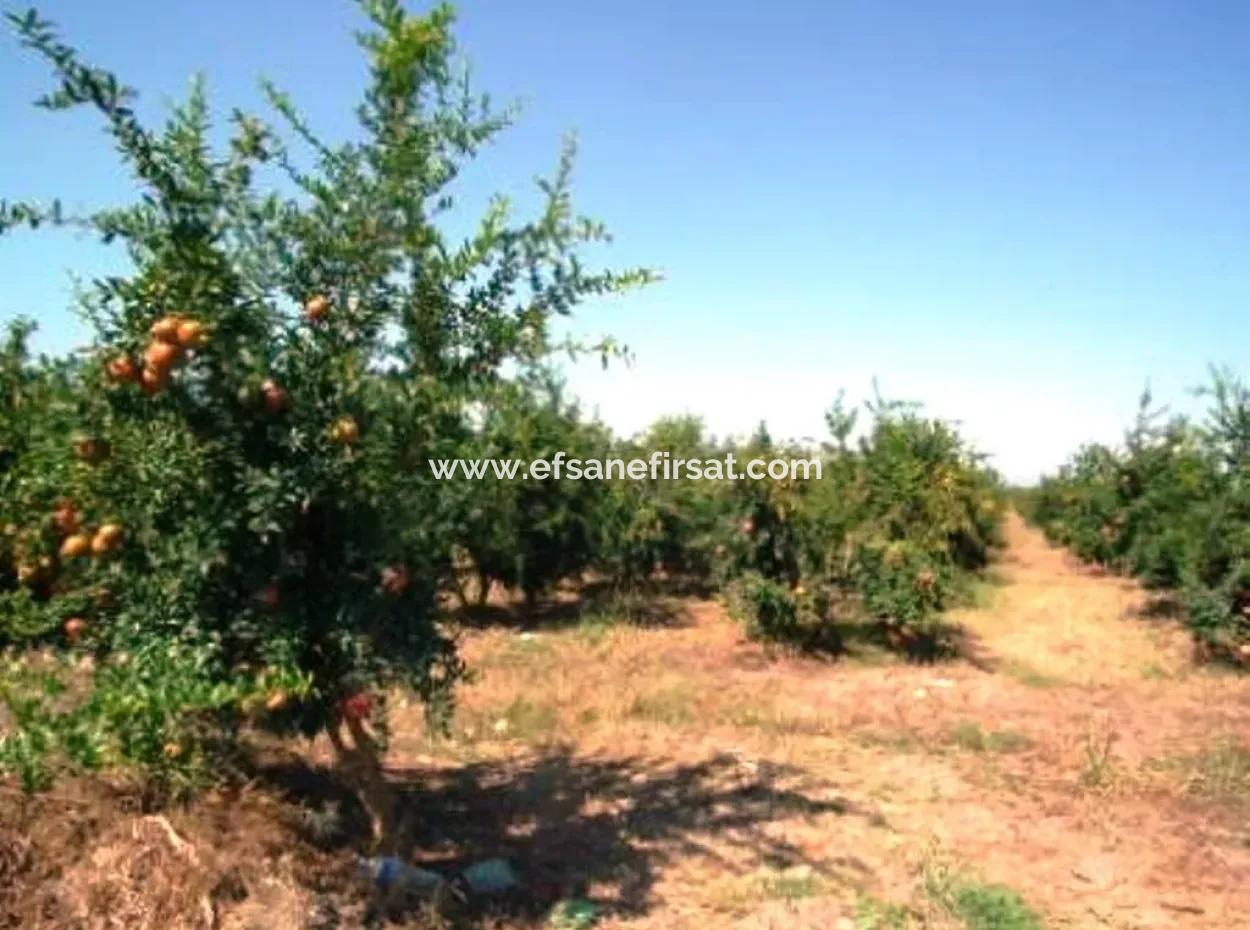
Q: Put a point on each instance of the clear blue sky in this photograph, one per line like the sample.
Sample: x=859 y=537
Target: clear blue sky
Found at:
x=1017 y=213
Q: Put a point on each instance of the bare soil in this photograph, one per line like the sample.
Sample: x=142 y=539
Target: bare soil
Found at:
x=680 y=777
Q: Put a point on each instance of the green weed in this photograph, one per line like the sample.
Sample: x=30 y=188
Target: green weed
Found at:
x=977 y=905
x=671 y=705
x=872 y=914
x=973 y=737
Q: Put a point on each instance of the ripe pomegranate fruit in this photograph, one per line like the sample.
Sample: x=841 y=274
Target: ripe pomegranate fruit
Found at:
x=165 y=329
x=317 y=308
x=74 y=546
x=91 y=449
x=122 y=370
x=270 y=596
x=275 y=396
x=357 y=706
x=66 y=518
x=191 y=334
x=161 y=356
x=153 y=380
x=106 y=539
x=395 y=579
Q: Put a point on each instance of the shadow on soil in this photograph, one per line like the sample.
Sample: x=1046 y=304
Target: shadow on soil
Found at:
x=599 y=829
x=659 y=606
x=949 y=643
x=1161 y=607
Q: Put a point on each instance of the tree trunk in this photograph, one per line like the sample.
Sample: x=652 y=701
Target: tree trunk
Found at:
x=457 y=582
x=361 y=766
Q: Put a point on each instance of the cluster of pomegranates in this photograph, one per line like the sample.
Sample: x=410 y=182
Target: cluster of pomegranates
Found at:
x=77 y=541
x=172 y=336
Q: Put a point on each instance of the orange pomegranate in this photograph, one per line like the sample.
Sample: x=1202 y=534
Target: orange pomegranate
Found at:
x=165 y=329
x=357 y=706
x=317 y=308
x=75 y=546
x=161 y=356
x=74 y=628
x=91 y=449
x=275 y=397
x=395 y=579
x=106 y=539
x=191 y=334
x=66 y=518
x=122 y=369
x=153 y=380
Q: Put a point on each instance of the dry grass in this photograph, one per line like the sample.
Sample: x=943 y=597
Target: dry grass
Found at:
x=1219 y=773
x=87 y=860
x=144 y=876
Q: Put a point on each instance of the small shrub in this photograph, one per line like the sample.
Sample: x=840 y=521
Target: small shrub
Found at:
x=871 y=914
x=767 y=609
x=977 y=905
x=992 y=907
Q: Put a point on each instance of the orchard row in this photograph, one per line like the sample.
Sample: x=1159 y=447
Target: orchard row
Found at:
x=104 y=564
x=1172 y=506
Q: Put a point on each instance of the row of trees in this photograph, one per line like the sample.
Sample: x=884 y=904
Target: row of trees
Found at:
x=109 y=552
x=222 y=511
x=1172 y=506
x=889 y=534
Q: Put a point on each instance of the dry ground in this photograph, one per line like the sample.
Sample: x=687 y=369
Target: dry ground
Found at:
x=1074 y=763
x=690 y=779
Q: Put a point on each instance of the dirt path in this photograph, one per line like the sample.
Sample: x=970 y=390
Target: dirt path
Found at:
x=684 y=778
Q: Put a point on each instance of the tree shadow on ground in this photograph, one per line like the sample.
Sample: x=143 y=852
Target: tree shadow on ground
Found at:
x=949 y=642
x=1160 y=606
x=595 y=828
x=574 y=606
